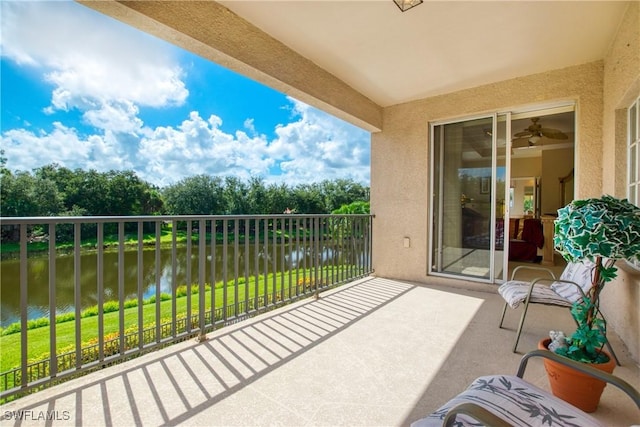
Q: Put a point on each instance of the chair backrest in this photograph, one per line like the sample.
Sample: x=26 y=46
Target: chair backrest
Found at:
x=578 y=272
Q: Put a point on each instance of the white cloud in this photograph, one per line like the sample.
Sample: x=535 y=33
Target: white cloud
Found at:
x=115 y=117
x=61 y=145
x=250 y=126
x=312 y=148
x=198 y=146
x=108 y=71
x=92 y=61
x=318 y=144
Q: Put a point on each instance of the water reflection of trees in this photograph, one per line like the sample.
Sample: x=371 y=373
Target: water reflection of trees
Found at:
x=241 y=260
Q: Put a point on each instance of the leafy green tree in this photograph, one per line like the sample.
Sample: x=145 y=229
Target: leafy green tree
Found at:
x=47 y=197
x=125 y=194
x=89 y=190
x=341 y=192
x=3 y=164
x=256 y=194
x=235 y=194
x=16 y=190
x=151 y=201
x=22 y=194
x=196 y=195
x=97 y=193
x=309 y=199
x=353 y=208
x=277 y=199
x=57 y=190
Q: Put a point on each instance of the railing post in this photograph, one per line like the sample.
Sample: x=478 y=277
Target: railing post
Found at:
x=100 y=275
x=265 y=286
x=316 y=260
x=158 y=230
x=24 y=377
x=225 y=238
x=290 y=251
x=274 y=260
x=140 y=286
x=214 y=243
x=236 y=256
x=174 y=278
x=77 y=291
x=246 y=266
x=53 y=358
x=121 y=270
x=188 y=276
x=202 y=263
x=256 y=262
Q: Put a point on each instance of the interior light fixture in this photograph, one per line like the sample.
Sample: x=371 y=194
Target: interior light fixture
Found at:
x=405 y=5
x=534 y=139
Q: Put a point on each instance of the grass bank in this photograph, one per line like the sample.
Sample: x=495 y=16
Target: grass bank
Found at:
x=38 y=337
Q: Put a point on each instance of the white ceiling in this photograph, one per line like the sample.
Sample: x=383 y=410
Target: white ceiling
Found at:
x=439 y=46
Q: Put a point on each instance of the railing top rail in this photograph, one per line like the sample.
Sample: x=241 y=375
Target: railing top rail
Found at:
x=285 y=257
x=155 y=218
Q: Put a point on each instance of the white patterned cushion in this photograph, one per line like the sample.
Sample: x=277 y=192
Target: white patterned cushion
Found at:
x=578 y=272
x=514 y=293
x=514 y=400
x=565 y=294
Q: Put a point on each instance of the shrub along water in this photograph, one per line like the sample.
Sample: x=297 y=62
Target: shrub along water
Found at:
x=38 y=329
x=107 y=307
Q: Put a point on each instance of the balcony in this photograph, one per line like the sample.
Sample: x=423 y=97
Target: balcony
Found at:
x=370 y=352
x=98 y=290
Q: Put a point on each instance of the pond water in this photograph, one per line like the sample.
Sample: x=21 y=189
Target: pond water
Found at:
x=278 y=258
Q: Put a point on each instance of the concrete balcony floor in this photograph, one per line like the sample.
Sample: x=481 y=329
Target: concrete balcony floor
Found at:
x=376 y=352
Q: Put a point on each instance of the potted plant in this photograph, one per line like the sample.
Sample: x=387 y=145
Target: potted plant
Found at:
x=602 y=231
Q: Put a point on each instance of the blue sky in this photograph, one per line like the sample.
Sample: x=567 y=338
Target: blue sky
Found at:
x=86 y=91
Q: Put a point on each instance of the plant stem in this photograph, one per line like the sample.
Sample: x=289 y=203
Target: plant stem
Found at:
x=594 y=292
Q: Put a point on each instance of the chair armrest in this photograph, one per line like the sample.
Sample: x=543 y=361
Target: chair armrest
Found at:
x=526 y=267
x=475 y=411
x=584 y=368
x=576 y=285
x=548 y=282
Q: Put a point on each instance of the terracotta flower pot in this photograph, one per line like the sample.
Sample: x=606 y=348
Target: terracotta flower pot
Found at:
x=580 y=390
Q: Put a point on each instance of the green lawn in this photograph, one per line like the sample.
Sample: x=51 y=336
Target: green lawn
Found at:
x=38 y=338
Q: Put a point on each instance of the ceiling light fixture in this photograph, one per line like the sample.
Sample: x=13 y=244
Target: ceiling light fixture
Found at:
x=534 y=139
x=405 y=5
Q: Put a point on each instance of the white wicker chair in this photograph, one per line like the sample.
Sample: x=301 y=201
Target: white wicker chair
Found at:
x=572 y=285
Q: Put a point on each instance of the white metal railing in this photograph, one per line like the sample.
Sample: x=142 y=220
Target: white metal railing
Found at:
x=233 y=267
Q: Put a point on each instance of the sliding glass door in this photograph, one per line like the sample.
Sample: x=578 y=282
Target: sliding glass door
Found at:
x=469 y=169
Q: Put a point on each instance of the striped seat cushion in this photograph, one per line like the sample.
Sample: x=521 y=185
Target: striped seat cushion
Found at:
x=514 y=400
x=578 y=272
x=514 y=293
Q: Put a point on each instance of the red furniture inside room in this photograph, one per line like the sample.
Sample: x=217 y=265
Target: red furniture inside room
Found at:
x=525 y=248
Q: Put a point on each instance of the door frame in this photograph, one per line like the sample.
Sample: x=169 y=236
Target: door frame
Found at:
x=511 y=114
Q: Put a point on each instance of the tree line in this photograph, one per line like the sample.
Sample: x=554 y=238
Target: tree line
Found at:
x=54 y=190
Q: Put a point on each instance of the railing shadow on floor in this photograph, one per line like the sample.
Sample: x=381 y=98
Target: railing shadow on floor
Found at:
x=171 y=386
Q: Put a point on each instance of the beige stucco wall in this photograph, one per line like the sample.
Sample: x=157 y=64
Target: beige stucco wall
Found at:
x=621 y=299
x=400 y=159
